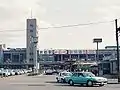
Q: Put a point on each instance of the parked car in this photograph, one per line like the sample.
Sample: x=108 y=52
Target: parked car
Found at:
x=12 y=73
x=55 y=72
x=61 y=76
x=5 y=73
x=25 y=71
x=49 y=72
x=0 y=72
x=87 y=78
x=16 y=72
x=21 y=72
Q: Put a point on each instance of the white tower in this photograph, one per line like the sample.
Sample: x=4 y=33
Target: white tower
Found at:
x=32 y=40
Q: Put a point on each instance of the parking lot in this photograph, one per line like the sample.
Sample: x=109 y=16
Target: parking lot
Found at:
x=44 y=82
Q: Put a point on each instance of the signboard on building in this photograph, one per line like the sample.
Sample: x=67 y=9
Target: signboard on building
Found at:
x=60 y=51
x=91 y=51
x=97 y=40
x=81 y=51
x=106 y=52
x=74 y=51
x=84 y=51
x=41 y=52
x=50 y=51
x=45 y=52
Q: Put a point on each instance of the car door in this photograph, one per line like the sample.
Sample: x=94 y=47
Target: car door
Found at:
x=81 y=78
x=59 y=76
x=75 y=78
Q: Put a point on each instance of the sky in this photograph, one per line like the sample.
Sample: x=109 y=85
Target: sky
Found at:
x=50 y=13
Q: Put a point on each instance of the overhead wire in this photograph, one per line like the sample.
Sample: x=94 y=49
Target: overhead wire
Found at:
x=63 y=26
x=10 y=30
x=75 y=25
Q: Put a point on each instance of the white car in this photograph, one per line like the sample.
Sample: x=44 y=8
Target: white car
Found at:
x=62 y=75
x=17 y=72
x=8 y=72
x=5 y=73
x=22 y=72
x=25 y=71
x=49 y=72
x=12 y=73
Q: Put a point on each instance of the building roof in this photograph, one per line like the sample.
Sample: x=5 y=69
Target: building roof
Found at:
x=111 y=47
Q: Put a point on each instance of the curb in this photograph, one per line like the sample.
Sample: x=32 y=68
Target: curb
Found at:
x=40 y=75
x=113 y=83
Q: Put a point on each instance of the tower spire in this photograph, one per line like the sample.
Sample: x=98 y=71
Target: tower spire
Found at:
x=31 y=14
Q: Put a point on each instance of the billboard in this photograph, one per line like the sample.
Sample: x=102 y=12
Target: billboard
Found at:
x=74 y=51
x=60 y=51
x=91 y=51
x=97 y=40
x=84 y=51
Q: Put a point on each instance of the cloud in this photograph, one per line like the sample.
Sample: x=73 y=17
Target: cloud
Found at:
x=56 y=13
x=13 y=15
x=108 y=9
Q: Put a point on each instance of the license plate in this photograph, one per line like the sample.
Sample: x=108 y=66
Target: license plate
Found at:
x=102 y=83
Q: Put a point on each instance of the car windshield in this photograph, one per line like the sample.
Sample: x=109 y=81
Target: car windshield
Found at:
x=89 y=74
x=66 y=74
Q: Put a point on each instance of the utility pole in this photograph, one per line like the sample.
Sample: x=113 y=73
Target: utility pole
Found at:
x=117 y=42
x=97 y=53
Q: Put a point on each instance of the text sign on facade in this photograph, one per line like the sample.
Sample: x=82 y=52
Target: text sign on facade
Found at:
x=97 y=40
x=60 y=51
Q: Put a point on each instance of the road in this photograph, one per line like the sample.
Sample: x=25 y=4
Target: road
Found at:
x=44 y=83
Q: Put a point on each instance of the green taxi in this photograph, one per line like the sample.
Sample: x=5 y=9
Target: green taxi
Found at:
x=87 y=78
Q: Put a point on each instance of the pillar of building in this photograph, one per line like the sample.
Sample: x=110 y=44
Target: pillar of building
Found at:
x=32 y=41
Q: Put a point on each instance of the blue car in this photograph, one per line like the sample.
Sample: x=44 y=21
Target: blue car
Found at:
x=87 y=78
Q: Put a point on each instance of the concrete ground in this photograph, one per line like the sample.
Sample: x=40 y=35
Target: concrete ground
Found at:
x=45 y=83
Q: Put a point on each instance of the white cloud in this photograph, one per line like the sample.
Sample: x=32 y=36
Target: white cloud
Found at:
x=13 y=17
x=108 y=9
x=56 y=13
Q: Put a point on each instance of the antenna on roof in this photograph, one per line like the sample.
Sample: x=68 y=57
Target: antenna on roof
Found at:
x=31 y=14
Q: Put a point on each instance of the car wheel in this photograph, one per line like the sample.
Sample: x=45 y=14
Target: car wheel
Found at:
x=101 y=85
x=82 y=84
x=71 y=83
x=62 y=80
x=57 y=80
x=89 y=83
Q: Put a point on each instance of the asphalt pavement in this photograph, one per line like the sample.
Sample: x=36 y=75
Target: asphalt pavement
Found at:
x=45 y=82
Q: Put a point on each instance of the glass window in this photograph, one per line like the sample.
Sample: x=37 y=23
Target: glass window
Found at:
x=88 y=74
x=66 y=74
x=31 y=53
x=41 y=52
x=15 y=58
x=31 y=30
x=80 y=74
x=75 y=74
x=45 y=52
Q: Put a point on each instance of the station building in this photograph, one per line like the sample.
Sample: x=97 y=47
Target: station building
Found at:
x=16 y=57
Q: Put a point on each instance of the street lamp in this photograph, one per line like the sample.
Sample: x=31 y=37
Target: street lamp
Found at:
x=97 y=41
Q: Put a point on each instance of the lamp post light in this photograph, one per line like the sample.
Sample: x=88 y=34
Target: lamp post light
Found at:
x=97 y=41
